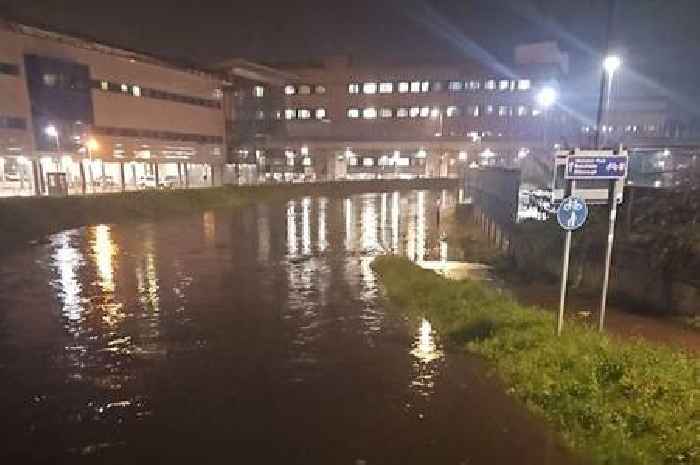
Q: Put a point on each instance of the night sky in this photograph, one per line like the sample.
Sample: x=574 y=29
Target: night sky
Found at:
x=660 y=39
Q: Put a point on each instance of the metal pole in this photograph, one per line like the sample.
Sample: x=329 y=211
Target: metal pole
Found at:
x=565 y=266
x=612 y=200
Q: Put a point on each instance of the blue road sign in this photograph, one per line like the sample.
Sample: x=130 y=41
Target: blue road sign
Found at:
x=596 y=167
x=572 y=213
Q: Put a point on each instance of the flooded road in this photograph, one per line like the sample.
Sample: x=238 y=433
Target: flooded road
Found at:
x=255 y=336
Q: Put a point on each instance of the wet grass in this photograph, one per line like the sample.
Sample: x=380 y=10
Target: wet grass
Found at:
x=614 y=402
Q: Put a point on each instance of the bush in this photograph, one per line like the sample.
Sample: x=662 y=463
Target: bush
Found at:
x=617 y=402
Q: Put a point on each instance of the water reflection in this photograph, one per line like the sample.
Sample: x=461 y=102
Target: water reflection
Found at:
x=427 y=357
x=209 y=227
x=66 y=260
x=322 y=239
x=103 y=253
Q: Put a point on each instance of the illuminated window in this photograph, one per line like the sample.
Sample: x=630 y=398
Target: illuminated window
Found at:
x=368 y=161
x=473 y=110
x=502 y=110
x=414 y=112
x=489 y=109
x=369 y=113
x=304 y=113
x=353 y=113
x=369 y=88
x=490 y=84
x=104 y=85
x=452 y=111
x=386 y=87
x=136 y=91
x=353 y=88
x=320 y=113
x=425 y=86
x=125 y=88
x=404 y=87
x=474 y=85
x=320 y=89
x=304 y=89
x=290 y=113
x=289 y=89
x=503 y=84
x=259 y=91
x=353 y=161
x=386 y=113
x=402 y=112
x=522 y=110
x=435 y=112
x=415 y=87
x=455 y=86
x=50 y=80
x=524 y=84
x=424 y=112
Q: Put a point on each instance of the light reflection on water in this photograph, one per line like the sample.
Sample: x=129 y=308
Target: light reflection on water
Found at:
x=276 y=329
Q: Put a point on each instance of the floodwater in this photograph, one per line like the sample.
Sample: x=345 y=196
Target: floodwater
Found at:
x=255 y=336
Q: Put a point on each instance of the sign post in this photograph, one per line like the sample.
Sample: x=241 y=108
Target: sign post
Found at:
x=601 y=165
x=571 y=215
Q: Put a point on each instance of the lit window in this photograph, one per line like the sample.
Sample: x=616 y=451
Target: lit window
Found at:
x=278 y=114
x=435 y=112
x=425 y=86
x=290 y=113
x=386 y=87
x=524 y=84
x=353 y=88
x=259 y=114
x=136 y=91
x=320 y=113
x=368 y=161
x=403 y=87
x=452 y=111
x=502 y=110
x=522 y=110
x=353 y=113
x=353 y=161
x=386 y=113
x=50 y=80
x=415 y=87
x=414 y=112
x=424 y=112
x=503 y=84
x=474 y=85
x=290 y=89
x=369 y=113
x=259 y=91
x=104 y=85
x=304 y=89
x=320 y=89
x=490 y=84
x=369 y=88
x=473 y=110
x=306 y=161
x=303 y=113
x=402 y=112
x=489 y=109
x=125 y=88
x=455 y=85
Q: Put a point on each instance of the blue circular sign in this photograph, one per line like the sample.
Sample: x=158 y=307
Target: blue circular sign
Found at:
x=572 y=213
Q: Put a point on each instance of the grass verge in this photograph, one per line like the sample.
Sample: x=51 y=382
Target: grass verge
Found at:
x=615 y=402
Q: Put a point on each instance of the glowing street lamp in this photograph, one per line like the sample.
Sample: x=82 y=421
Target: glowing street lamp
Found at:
x=546 y=97
x=51 y=131
x=611 y=63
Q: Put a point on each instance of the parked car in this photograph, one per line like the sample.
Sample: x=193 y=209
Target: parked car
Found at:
x=168 y=182
x=147 y=182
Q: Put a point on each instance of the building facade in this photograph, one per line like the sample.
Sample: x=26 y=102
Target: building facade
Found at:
x=83 y=116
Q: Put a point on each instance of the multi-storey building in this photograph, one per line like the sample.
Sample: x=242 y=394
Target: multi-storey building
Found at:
x=337 y=118
x=81 y=115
